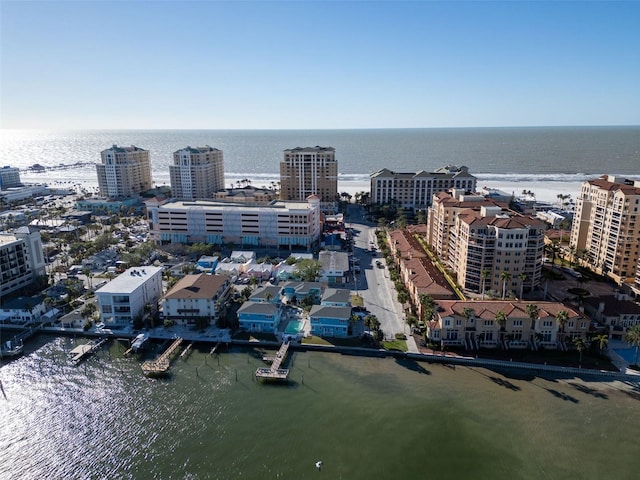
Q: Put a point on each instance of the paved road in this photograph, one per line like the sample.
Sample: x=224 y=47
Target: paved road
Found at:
x=373 y=283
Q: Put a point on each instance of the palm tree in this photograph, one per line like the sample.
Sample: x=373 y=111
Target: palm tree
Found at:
x=505 y=277
x=484 y=275
x=501 y=320
x=522 y=277
x=562 y=317
x=581 y=345
x=467 y=313
x=632 y=337
x=532 y=312
x=602 y=340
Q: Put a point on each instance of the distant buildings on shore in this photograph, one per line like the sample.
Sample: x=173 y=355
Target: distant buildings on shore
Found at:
x=124 y=171
x=196 y=173
x=415 y=190
x=309 y=171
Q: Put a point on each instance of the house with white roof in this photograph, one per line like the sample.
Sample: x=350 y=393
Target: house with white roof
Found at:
x=333 y=266
x=124 y=298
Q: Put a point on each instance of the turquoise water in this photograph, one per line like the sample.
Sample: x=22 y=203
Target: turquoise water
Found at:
x=365 y=418
x=294 y=327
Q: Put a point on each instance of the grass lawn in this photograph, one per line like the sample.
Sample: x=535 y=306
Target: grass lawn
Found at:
x=395 y=345
x=356 y=301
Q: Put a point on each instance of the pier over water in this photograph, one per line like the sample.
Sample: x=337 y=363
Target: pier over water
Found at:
x=160 y=366
x=275 y=372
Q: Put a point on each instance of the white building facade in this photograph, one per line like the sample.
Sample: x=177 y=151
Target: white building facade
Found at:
x=279 y=224
x=124 y=298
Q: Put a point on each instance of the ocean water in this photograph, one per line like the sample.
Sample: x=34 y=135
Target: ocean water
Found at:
x=546 y=158
x=365 y=418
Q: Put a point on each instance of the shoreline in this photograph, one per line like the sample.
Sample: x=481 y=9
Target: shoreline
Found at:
x=556 y=372
x=545 y=191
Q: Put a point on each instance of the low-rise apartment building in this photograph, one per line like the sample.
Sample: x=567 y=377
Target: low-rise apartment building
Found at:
x=506 y=324
x=130 y=295
x=195 y=297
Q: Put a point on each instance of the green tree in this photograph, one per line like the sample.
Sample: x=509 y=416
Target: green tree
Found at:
x=562 y=317
x=308 y=269
x=505 y=277
x=581 y=345
x=632 y=337
x=501 y=320
x=484 y=275
x=532 y=312
x=523 y=278
x=601 y=340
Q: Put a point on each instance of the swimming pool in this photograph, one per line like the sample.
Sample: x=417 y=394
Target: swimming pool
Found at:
x=294 y=327
x=629 y=354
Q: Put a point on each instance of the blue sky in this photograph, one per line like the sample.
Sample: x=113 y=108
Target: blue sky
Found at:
x=298 y=64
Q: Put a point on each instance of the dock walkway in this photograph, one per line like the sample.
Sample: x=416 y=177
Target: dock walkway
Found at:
x=275 y=372
x=160 y=365
x=82 y=351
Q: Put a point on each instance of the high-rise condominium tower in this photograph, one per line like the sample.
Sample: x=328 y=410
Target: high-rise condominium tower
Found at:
x=196 y=172
x=124 y=171
x=606 y=227
x=309 y=171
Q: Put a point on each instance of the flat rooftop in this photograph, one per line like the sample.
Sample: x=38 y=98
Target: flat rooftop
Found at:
x=129 y=280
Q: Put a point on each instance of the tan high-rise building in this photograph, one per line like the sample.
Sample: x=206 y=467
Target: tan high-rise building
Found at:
x=124 y=171
x=495 y=249
x=606 y=226
x=196 y=172
x=309 y=171
x=416 y=189
x=442 y=213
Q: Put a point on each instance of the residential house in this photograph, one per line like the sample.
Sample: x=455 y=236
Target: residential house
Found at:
x=333 y=267
x=336 y=297
x=195 y=297
x=259 y=317
x=295 y=292
x=268 y=294
x=330 y=321
x=616 y=311
x=22 y=310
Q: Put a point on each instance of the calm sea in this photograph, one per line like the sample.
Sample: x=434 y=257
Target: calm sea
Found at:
x=365 y=418
x=495 y=155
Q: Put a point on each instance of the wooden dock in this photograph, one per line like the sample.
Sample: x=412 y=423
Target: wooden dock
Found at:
x=275 y=372
x=160 y=366
x=82 y=351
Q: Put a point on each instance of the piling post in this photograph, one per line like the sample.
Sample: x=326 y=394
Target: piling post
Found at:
x=197 y=372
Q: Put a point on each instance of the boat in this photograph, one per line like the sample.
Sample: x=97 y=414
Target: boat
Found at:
x=138 y=342
x=10 y=350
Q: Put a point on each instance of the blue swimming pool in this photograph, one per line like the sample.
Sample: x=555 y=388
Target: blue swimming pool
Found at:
x=629 y=354
x=294 y=327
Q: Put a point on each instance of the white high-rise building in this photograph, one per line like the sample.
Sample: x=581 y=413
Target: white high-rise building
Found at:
x=196 y=173
x=124 y=171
